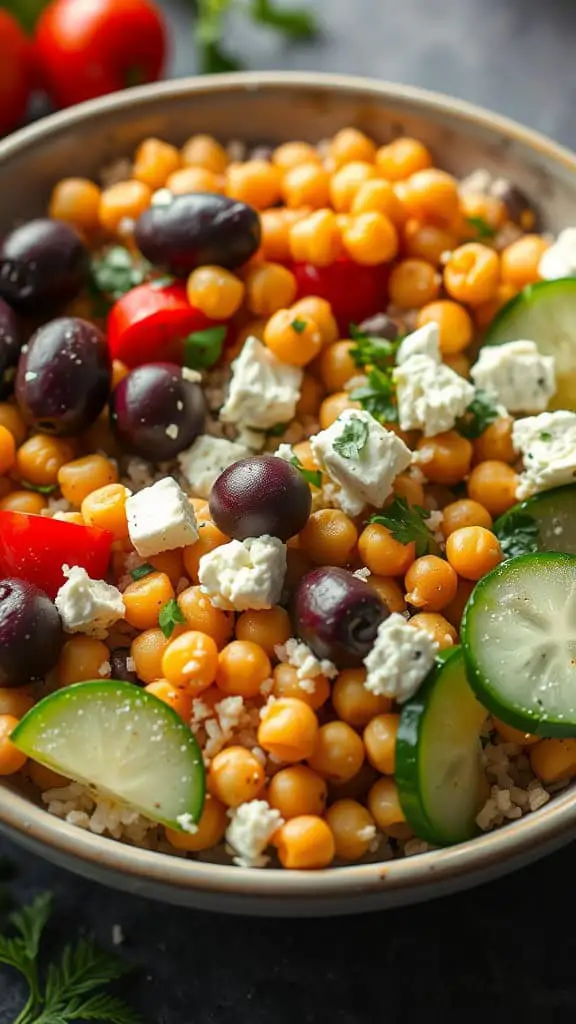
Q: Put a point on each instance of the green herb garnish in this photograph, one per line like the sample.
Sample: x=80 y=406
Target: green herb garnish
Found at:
x=204 y=348
x=519 y=534
x=545 y=435
x=406 y=524
x=378 y=396
x=298 y=325
x=170 y=616
x=72 y=988
x=291 y=22
x=352 y=440
x=117 y=272
x=311 y=476
x=481 y=412
x=40 y=488
x=141 y=571
x=482 y=228
x=370 y=351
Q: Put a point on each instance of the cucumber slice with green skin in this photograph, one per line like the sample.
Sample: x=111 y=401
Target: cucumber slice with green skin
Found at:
x=122 y=741
x=544 y=312
x=438 y=767
x=553 y=511
x=518 y=633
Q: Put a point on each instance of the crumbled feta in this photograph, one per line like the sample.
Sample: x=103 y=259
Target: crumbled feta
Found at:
x=244 y=574
x=520 y=378
x=423 y=342
x=400 y=659
x=206 y=459
x=263 y=391
x=366 y=478
x=160 y=518
x=307 y=665
x=547 y=444
x=192 y=376
x=251 y=828
x=284 y=451
x=560 y=259
x=86 y=605
x=431 y=396
x=187 y=824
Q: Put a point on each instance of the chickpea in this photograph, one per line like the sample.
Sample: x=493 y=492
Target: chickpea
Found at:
x=77 y=479
x=314 y=692
x=297 y=790
x=144 y=599
x=402 y=158
x=175 y=698
x=124 y=201
x=12 y=419
x=445 y=458
x=370 y=238
x=275 y=224
x=194 y=179
x=306 y=184
x=292 y=154
x=311 y=395
x=210 y=537
x=204 y=151
x=12 y=760
x=413 y=283
x=384 y=806
x=76 y=201
x=389 y=591
x=316 y=239
x=81 y=659
x=209 y=830
x=24 y=501
x=493 y=484
x=320 y=311
x=289 y=730
x=293 y=340
x=254 y=182
x=495 y=442
x=554 y=760
x=437 y=627
x=464 y=512
x=235 y=776
x=154 y=162
x=147 y=651
x=267 y=628
x=305 y=842
x=190 y=661
x=242 y=668
x=203 y=617
x=408 y=487
x=338 y=752
x=215 y=291
x=350 y=145
x=485 y=312
x=382 y=553
x=269 y=287
x=520 y=260
x=454 y=611
x=427 y=241
x=7 y=450
x=378 y=196
x=353 y=703
x=454 y=324
x=329 y=537
x=333 y=406
x=352 y=827
x=511 y=735
x=432 y=195
x=472 y=274
x=431 y=583
x=473 y=551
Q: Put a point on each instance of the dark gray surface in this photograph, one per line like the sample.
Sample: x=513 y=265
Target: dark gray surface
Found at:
x=504 y=950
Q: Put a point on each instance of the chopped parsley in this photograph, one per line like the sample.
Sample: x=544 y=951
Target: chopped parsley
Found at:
x=378 y=396
x=40 y=488
x=141 y=571
x=170 y=616
x=518 y=533
x=204 y=348
x=117 y=272
x=481 y=412
x=298 y=325
x=352 y=440
x=545 y=435
x=406 y=524
x=482 y=228
x=369 y=351
x=311 y=476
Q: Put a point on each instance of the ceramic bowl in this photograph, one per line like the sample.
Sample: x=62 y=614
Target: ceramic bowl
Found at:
x=260 y=108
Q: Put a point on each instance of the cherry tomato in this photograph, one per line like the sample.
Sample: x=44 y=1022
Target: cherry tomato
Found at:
x=87 y=48
x=354 y=292
x=15 y=72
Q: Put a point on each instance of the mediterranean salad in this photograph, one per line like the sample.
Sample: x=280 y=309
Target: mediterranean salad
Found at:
x=288 y=502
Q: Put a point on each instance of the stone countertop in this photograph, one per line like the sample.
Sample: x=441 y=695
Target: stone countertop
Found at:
x=494 y=951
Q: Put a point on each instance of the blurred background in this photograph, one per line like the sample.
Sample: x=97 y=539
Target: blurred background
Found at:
x=514 y=56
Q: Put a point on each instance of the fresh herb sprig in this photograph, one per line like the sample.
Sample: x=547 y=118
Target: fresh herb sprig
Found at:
x=378 y=396
x=519 y=534
x=311 y=476
x=481 y=412
x=169 y=617
x=117 y=272
x=407 y=523
x=353 y=439
x=482 y=228
x=369 y=351
x=292 y=22
x=72 y=987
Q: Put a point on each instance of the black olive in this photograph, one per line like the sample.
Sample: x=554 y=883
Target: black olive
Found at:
x=43 y=264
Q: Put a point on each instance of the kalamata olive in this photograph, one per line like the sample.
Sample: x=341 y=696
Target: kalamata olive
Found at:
x=196 y=229
x=10 y=345
x=156 y=413
x=119 y=666
x=64 y=376
x=379 y=326
x=260 y=495
x=520 y=209
x=337 y=615
x=31 y=634
x=43 y=264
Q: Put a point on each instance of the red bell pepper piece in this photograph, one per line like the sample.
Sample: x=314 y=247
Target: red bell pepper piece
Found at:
x=34 y=548
x=150 y=323
x=353 y=291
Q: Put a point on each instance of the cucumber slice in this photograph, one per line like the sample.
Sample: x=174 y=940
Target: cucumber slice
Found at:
x=544 y=312
x=555 y=515
x=438 y=769
x=518 y=633
x=122 y=741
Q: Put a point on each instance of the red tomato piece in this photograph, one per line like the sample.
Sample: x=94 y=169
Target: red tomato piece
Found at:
x=15 y=72
x=149 y=324
x=34 y=548
x=354 y=292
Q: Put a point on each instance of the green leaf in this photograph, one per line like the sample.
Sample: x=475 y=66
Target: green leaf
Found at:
x=370 y=351
x=298 y=325
x=352 y=440
x=407 y=523
x=519 y=534
x=48 y=489
x=311 y=476
x=31 y=921
x=481 y=412
x=482 y=228
x=378 y=396
x=545 y=435
x=117 y=272
x=293 y=22
x=170 y=616
x=204 y=348
x=97 y=1007
x=141 y=571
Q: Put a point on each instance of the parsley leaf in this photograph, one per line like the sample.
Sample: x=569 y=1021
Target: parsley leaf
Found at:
x=141 y=571
x=204 y=348
x=294 y=23
x=39 y=488
x=298 y=325
x=518 y=533
x=545 y=435
x=117 y=272
x=311 y=476
x=482 y=227
x=478 y=416
x=371 y=351
x=170 y=616
x=378 y=396
x=407 y=523
x=352 y=440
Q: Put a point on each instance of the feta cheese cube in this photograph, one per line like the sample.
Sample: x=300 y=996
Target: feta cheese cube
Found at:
x=400 y=659
x=160 y=518
x=520 y=378
x=263 y=391
x=86 y=605
x=431 y=396
x=423 y=342
x=251 y=828
x=206 y=459
x=364 y=478
x=560 y=259
x=547 y=444
x=244 y=574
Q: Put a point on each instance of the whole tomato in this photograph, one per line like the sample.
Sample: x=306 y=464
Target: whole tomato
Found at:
x=87 y=48
x=15 y=72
